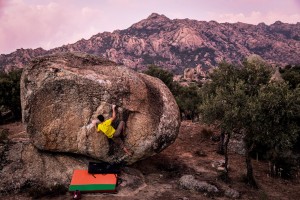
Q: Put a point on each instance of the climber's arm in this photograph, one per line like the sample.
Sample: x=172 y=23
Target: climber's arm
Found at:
x=113 y=113
x=96 y=127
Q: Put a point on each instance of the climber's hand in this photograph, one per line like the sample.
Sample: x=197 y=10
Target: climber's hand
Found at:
x=94 y=122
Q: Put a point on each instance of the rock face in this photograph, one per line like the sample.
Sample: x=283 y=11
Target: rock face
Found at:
x=181 y=43
x=61 y=95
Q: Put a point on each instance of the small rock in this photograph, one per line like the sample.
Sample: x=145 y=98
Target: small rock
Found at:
x=184 y=198
x=189 y=182
x=221 y=169
x=219 y=165
x=231 y=193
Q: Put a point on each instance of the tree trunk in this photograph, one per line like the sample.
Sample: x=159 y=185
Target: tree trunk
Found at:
x=226 y=156
x=250 y=176
x=221 y=143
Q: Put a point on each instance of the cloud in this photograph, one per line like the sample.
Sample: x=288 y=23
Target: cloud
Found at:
x=2 y=5
x=30 y=26
x=255 y=17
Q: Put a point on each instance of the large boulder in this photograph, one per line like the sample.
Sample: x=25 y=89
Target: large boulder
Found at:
x=61 y=94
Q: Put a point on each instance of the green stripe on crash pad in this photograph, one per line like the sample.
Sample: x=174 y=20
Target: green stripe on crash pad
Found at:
x=92 y=187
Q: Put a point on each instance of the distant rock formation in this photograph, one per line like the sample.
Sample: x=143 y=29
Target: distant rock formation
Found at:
x=276 y=77
x=194 y=74
x=181 y=43
x=62 y=93
x=197 y=75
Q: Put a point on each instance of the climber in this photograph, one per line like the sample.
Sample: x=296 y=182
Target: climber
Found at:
x=105 y=126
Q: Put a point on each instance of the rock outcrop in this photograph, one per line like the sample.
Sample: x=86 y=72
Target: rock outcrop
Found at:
x=61 y=94
x=197 y=75
x=191 y=183
x=194 y=74
x=180 y=43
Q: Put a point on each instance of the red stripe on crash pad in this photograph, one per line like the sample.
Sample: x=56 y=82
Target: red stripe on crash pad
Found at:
x=82 y=177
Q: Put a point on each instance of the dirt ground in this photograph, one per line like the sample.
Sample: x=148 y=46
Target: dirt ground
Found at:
x=192 y=153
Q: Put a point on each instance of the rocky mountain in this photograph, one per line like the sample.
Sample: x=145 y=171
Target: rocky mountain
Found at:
x=181 y=43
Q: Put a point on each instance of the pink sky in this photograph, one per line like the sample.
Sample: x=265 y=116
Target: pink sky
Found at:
x=52 y=23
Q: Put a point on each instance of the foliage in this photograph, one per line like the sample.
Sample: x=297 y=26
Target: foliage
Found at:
x=242 y=100
x=225 y=97
x=188 y=99
x=223 y=101
x=164 y=75
x=275 y=111
x=3 y=135
x=207 y=133
x=10 y=92
x=291 y=74
x=275 y=115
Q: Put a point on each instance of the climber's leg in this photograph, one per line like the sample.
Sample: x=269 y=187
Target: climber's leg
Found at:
x=120 y=129
x=119 y=142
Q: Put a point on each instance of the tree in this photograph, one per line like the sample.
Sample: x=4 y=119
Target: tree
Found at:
x=291 y=74
x=225 y=101
x=275 y=114
x=188 y=99
x=10 y=92
x=164 y=75
x=255 y=76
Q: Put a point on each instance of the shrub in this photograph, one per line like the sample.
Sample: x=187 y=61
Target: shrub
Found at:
x=207 y=133
x=3 y=135
x=10 y=95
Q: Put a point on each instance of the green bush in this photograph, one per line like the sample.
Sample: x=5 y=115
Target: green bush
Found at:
x=207 y=133
x=242 y=100
x=164 y=75
x=3 y=135
x=291 y=74
x=188 y=99
x=10 y=94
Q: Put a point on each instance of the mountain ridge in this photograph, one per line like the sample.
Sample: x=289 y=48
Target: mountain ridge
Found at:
x=176 y=44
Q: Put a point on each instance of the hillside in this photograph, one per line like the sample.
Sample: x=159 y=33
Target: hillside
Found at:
x=180 y=43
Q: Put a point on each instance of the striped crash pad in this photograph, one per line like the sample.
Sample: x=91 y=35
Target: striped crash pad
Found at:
x=85 y=182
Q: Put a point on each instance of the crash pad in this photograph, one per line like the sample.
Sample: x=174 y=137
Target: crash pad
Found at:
x=83 y=181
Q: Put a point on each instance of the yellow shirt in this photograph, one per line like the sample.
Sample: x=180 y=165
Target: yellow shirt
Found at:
x=106 y=128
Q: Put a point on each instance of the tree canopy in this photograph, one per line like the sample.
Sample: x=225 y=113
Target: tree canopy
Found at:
x=291 y=74
x=243 y=100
